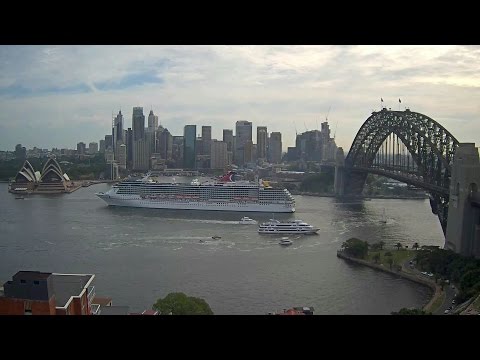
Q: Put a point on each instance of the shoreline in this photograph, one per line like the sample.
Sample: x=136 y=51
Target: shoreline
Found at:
x=433 y=286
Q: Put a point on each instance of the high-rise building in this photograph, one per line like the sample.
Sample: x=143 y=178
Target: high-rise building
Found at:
x=152 y=121
x=228 y=138
x=129 y=143
x=275 y=147
x=20 y=152
x=218 y=157
x=177 y=151
x=164 y=144
x=122 y=156
x=102 y=146
x=141 y=154
x=138 y=123
x=109 y=155
x=118 y=130
x=189 y=146
x=206 y=139
x=248 y=152
x=81 y=147
x=262 y=136
x=243 y=133
x=93 y=148
x=108 y=141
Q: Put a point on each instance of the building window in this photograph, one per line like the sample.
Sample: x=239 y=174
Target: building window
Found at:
x=22 y=281
x=27 y=308
x=36 y=282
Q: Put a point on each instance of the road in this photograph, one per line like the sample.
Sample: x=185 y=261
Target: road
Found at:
x=450 y=291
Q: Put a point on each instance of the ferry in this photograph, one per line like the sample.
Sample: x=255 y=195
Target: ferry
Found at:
x=223 y=194
x=247 y=221
x=286 y=227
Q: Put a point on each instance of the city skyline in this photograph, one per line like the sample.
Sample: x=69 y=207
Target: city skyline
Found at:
x=285 y=88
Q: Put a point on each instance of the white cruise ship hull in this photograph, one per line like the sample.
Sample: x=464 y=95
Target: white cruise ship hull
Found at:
x=137 y=201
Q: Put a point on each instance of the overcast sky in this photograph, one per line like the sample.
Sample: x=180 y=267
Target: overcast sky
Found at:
x=56 y=96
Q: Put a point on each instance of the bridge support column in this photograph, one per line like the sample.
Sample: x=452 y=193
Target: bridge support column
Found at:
x=463 y=235
x=339 y=183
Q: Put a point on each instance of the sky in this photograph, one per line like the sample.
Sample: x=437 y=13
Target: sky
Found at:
x=57 y=96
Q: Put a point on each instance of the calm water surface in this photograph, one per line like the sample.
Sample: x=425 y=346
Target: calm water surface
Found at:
x=140 y=255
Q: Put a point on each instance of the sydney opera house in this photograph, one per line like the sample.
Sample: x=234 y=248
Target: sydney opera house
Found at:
x=51 y=180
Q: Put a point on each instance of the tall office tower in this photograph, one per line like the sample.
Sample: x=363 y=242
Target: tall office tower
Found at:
x=102 y=146
x=152 y=121
x=243 y=133
x=93 y=148
x=164 y=144
x=108 y=142
x=138 y=123
x=129 y=143
x=228 y=138
x=21 y=151
x=141 y=155
x=218 y=159
x=81 y=147
x=118 y=130
x=275 y=147
x=262 y=136
x=189 y=146
x=206 y=139
x=122 y=156
x=177 y=151
x=248 y=152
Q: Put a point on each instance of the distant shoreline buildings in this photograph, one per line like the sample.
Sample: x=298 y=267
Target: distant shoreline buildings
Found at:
x=149 y=146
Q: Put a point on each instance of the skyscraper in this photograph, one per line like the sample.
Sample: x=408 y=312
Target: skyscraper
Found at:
x=93 y=148
x=275 y=147
x=218 y=152
x=138 y=123
x=108 y=142
x=129 y=143
x=81 y=148
x=189 y=146
x=243 y=133
x=262 y=136
x=118 y=133
x=102 y=146
x=206 y=139
x=152 y=121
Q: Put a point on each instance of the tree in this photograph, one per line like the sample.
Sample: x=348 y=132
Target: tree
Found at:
x=406 y=311
x=398 y=246
x=355 y=247
x=415 y=246
x=178 y=303
x=382 y=244
x=376 y=258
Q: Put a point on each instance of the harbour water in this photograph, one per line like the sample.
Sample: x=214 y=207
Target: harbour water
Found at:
x=139 y=255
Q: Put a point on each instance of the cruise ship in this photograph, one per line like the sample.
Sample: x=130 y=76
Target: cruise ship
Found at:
x=223 y=194
x=276 y=227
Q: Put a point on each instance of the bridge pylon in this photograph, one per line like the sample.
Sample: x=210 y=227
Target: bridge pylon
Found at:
x=339 y=184
x=463 y=227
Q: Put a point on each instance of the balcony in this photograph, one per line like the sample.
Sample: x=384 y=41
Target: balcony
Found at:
x=90 y=294
x=94 y=308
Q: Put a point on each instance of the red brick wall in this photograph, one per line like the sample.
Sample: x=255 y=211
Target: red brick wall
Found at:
x=9 y=306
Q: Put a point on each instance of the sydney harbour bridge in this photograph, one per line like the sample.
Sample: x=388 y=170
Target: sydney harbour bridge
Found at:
x=413 y=148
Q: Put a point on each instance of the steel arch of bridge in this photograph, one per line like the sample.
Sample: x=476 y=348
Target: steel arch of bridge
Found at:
x=431 y=146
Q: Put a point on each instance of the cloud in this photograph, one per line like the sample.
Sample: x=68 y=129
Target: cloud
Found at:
x=75 y=89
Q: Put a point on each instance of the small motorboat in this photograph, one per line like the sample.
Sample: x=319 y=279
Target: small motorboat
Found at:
x=247 y=221
x=216 y=237
x=285 y=241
